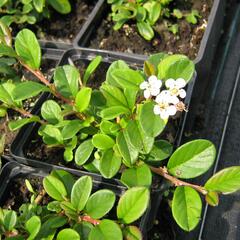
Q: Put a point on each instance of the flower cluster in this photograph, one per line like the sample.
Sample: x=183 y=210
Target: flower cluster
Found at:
x=167 y=101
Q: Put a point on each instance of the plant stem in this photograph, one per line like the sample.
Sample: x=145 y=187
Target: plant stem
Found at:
x=42 y=78
x=40 y=197
x=90 y=220
x=162 y=171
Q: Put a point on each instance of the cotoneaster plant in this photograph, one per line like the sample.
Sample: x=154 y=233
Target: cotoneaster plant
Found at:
x=74 y=212
x=30 y=11
x=146 y=13
x=117 y=129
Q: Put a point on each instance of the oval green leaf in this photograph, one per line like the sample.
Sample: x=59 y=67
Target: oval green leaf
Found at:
x=192 y=159
x=67 y=234
x=84 y=152
x=102 y=141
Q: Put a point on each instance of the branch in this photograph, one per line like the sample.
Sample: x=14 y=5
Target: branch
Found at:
x=42 y=78
x=40 y=197
x=162 y=171
x=90 y=220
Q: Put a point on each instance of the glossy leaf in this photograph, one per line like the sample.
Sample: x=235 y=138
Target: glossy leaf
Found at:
x=10 y=220
x=110 y=163
x=192 y=159
x=226 y=181
x=83 y=98
x=84 y=152
x=132 y=233
x=113 y=112
x=62 y=6
x=133 y=204
x=51 y=111
x=54 y=188
x=100 y=203
x=27 y=47
x=106 y=230
x=151 y=124
x=14 y=125
x=145 y=30
x=33 y=226
x=81 y=192
x=128 y=152
x=212 y=198
x=140 y=176
x=102 y=141
x=83 y=229
x=66 y=80
x=186 y=207
x=67 y=234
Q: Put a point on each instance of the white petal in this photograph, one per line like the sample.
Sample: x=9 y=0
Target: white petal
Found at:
x=152 y=79
x=171 y=110
x=170 y=83
x=164 y=114
x=180 y=83
x=154 y=91
x=157 y=110
x=173 y=99
x=182 y=93
x=147 y=94
x=144 y=85
x=157 y=84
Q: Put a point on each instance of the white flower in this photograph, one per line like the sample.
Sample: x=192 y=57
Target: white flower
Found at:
x=164 y=106
x=175 y=87
x=151 y=87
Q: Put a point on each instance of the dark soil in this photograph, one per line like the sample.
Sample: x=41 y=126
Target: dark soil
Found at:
x=47 y=68
x=64 y=28
x=18 y=193
x=127 y=39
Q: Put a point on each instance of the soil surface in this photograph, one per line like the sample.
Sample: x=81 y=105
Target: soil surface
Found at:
x=47 y=68
x=18 y=193
x=63 y=28
x=127 y=39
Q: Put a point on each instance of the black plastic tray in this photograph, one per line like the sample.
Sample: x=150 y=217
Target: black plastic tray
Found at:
x=13 y=170
x=25 y=134
x=208 y=44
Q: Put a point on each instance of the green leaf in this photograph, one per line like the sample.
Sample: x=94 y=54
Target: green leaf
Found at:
x=66 y=80
x=27 y=90
x=149 y=69
x=51 y=112
x=69 y=210
x=212 y=198
x=186 y=207
x=132 y=233
x=155 y=59
x=83 y=229
x=131 y=97
x=151 y=124
x=128 y=152
x=176 y=66
x=102 y=141
x=66 y=178
x=84 y=152
x=39 y=4
x=51 y=135
x=106 y=230
x=109 y=128
x=192 y=159
x=28 y=48
x=71 y=129
x=83 y=98
x=10 y=220
x=226 y=181
x=114 y=96
x=14 y=125
x=91 y=68
x=54 y=188
x=33 y=226
x=110 y=163
x=113 y=112
x=127 y=78
x=62 y=6
x=140 y=176
x=67 y=234
x=80 y=192
x=7 y=51
x=145 y=30
x=138 y=138
x=100 y=203
x=161 y=150
x=6 y=93
x=133 y=204
x=115 y=65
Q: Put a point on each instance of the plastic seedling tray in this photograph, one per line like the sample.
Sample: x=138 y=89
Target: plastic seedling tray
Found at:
x=208 y=44
x=13 y=170
x=27 y=133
